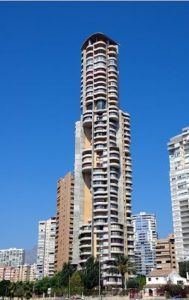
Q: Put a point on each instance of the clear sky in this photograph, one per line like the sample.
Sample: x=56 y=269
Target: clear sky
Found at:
x=39 y=101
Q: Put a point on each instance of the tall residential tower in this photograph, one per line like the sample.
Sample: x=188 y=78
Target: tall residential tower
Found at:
x=179 y=181
x=46 y=248
x=64 y=221
x=145 y=237
x=103 y=180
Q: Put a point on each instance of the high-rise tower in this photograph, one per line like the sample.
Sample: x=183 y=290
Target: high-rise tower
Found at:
x=64 y=221
x=145 y=237
x=179 y=181
x=103 y=180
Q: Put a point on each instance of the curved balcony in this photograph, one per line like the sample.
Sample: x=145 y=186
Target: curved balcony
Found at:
x=112 y=54
x=100 y=91
x=87 y=119
x=85 y=253
x=89 y=62
x=100 y=146
x=99 y=52
x=89 y=53
x=102 y=43
x=99 y=137
x=112 y=69
x=117 y=249
x=84 y=239
x=87 y=161
x=113 y=95
x=114 y=155
x=100 y=77
x=89 y=72
x=100 y=191
x=112 y=75
x=89 y=81
x=113 y=115
x=85 y=247
x=89 y=47
x=100 y=207
x=100 y=126
x=116 y=243
x=99 y=71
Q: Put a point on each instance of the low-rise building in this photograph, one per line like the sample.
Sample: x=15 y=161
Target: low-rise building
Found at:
x=165 y=253
x=157 y=278
x=21 y=273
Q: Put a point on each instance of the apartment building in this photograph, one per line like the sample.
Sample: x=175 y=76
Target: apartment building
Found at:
x=20 y=273
x=145 y=237
x=46 y=248
x=103 y=172
x=64 y=220
x=11 y=257
x=165 y=253
x=178 y=148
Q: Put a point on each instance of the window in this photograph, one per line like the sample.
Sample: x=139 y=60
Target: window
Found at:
x=89 y=106
x=101 y=104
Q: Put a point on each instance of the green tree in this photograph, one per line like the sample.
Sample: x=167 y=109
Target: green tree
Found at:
x=183 y=268
x=141 y=279
x=41 y=286
x=28 y=289
x=19 y=290
x=65 y=275
x=132 y=283
x=76 y=284
x=123 y=266
x=4 y=288
x=90 y=273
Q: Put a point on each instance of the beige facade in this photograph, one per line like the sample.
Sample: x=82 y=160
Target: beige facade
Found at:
x=21 y=273
x=165 y=253
x=103 y=172
x=64 y=216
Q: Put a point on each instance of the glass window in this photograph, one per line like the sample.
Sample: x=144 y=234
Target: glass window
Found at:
x=101 y=104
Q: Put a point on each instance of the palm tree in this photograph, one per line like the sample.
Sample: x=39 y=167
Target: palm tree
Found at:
x=122 y=265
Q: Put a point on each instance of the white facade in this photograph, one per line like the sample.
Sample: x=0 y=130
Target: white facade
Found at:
x=165 y=277
x=179 y=182
x=145 y=237
x=103 y=173
x=11 y=257
x=46 y=248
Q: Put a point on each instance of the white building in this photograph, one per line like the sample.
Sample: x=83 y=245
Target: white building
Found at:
x=145 y=237
x=157 y=278
x=12 y=257
x=46 y=248
x=179 y=182
x=103 y=172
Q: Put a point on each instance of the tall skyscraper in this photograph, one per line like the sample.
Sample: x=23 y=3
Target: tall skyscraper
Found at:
x=145 y=237
x=64 y=219
x=178 y=148
x=103 y=180
x=46 y=248
x=12 y=257
x=165 y=253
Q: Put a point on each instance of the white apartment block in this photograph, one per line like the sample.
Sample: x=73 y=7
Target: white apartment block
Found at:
x=46 y=248
x=12 y=257
x=103 y=172
x=178 y=148
x=145 y=237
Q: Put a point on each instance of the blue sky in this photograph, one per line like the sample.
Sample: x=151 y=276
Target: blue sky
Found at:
x=39 y=101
